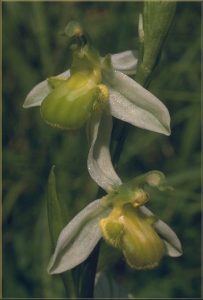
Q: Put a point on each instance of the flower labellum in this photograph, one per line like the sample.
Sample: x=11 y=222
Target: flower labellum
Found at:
x=73 y=100
x=128 y=229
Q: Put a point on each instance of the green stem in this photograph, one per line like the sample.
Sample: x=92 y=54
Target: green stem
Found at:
x=87 y=276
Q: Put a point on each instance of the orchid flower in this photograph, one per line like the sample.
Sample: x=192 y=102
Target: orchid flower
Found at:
x=123 y=97
x=92 y=91
x=124 y=222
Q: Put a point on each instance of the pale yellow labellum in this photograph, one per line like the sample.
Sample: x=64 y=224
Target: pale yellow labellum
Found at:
x=129 y=230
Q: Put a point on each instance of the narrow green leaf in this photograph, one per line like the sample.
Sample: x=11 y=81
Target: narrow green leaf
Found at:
x=54 y=209
x=56 y=220
x=157 y=19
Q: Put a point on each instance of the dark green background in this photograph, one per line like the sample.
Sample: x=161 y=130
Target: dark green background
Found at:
x=33 y=49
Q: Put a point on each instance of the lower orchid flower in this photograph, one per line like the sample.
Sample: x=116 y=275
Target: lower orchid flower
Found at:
x=124 y=222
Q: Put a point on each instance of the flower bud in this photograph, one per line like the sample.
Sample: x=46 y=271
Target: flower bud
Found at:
x=73 y=29
x=127 y=229
x=153 y=29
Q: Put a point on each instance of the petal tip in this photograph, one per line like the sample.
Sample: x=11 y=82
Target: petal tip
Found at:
x=172 y=251
x=173 y=245
x=178 y=251
x=25 y=105
x=165 y=128
x=53 y=268
x=50 y=270
x=167 y=131
x=32 y=100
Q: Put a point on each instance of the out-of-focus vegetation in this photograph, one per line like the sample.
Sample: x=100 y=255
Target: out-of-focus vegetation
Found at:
x=34 y=49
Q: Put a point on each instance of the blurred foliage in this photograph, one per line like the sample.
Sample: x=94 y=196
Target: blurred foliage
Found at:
x=34 y=49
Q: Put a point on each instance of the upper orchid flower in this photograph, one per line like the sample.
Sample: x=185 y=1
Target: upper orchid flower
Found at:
x=92 y=91
x=124 y=222
x=94 y=86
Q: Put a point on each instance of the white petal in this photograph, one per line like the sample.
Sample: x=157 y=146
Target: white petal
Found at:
x=132 y=103
x=172 y=243
x=40 y=91
x=99 y=160
x=125 y=62
x=78 y=238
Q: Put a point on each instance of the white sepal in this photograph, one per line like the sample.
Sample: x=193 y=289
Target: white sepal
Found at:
x=125 y=62
x=132 y=103
x=172 y=243
x=78 y=238
x=99 y=160
x=41 y=91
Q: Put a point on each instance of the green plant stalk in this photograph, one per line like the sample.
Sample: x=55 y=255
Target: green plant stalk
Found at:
x=87 y=274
